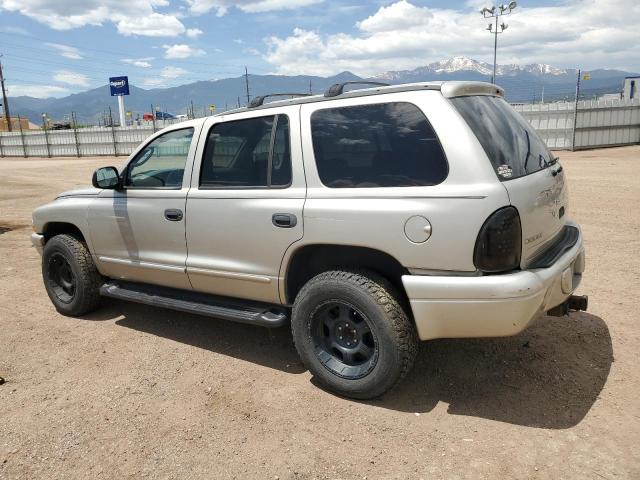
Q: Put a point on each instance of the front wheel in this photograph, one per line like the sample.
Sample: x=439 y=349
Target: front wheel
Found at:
x=70 y=276
x=352 y=334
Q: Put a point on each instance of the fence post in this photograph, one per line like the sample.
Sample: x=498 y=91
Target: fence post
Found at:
x=24 y=145
x=113 y=133
x=75 y=133
x=153 y=118
x=1 y=147
x=46 y=137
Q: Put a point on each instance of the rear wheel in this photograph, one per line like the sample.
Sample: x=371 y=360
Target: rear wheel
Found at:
x=70 y=276
x=352 y=333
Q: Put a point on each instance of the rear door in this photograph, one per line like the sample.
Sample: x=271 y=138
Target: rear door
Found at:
x=245 y=205
x=527 y=169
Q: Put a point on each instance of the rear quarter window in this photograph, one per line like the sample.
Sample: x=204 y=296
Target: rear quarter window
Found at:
x=380 y=145
x=511 y=143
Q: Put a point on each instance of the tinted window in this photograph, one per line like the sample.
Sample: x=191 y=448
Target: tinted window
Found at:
x=161 y=163
x=382 y=145
x=240 y=154
x=511 y=143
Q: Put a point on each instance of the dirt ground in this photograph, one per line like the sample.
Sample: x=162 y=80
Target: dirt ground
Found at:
x=134 y=391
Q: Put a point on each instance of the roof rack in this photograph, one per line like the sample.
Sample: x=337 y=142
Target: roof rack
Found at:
x=338 y=88
x=259 y=100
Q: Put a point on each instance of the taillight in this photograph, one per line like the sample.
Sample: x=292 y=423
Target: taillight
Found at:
x=499 y=243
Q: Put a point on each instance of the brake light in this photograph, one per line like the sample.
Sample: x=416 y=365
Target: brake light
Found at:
x=499 y=243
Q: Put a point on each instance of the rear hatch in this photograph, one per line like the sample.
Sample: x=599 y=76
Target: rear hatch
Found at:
x=533 y=178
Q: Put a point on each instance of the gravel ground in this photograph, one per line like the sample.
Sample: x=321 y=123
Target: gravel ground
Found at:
x=134 y=391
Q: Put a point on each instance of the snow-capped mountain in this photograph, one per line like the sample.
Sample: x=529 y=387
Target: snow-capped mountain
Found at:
x=522 y=83
x=463 y=64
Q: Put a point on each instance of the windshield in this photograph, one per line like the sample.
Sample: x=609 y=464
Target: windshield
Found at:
x=511 y=143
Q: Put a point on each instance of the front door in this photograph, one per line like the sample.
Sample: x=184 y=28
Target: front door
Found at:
x=245 y=204
x=138 y=232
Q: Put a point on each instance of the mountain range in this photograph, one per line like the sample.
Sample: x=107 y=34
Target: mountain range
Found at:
x=522 y=83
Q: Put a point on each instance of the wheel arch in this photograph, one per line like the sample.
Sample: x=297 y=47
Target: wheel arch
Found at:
x=309 y=260
x=51 y=229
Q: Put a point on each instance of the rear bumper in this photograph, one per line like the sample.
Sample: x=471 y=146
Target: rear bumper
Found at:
x=491 y=305
x=37 y=241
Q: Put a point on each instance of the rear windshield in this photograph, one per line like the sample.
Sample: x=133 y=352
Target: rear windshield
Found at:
x=512 y=145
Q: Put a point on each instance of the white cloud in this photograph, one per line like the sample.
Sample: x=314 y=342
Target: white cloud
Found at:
x=14 y=30
x=172 y=72
x=71 y=78
x=181 y=51
x=574 y=33
x=131 y=17
x=193 y=32
x=152 y=25
x=153 y=82
x=250 y=6
x=66 y=50
x=138 y=62
x=37 y=91
x=167 y=73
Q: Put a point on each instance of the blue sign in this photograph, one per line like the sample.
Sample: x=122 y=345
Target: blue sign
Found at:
x=119 y=86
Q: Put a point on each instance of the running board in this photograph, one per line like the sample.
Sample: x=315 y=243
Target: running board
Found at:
x=253 y=313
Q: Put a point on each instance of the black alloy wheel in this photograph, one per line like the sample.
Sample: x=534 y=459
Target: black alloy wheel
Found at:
x=61 y=279
x=343 y=340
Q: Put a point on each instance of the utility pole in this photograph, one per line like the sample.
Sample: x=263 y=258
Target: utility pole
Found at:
x=246 y=82
x=494 y=13
x=5 y=102
x=575 y=113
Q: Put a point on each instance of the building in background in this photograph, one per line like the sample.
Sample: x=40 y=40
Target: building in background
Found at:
x=630 y=89
x=16 y=123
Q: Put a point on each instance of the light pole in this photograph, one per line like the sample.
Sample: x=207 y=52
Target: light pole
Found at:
x=496 y=12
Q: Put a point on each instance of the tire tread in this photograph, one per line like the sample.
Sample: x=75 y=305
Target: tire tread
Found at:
x=384 y=294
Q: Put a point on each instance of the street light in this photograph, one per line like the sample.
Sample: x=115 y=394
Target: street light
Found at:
x=494 y=13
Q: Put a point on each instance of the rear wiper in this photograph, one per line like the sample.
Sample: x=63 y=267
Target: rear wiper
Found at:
x=526 y=158
x=553 y=161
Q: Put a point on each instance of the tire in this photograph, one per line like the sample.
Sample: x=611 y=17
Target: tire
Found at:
x=70 y=276
x=380 y=343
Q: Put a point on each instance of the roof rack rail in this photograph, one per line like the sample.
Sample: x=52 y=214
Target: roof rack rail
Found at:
x=259 y=100
x=338 y=88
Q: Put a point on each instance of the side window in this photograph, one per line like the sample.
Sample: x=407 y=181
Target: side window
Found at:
x=161 y=163
x=247 y=153
x=380 y=145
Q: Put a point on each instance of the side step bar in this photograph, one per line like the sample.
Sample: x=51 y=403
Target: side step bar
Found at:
x=253 y=313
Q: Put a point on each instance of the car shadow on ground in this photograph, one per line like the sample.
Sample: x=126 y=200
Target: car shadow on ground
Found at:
x=271 y=348
x=548 y=376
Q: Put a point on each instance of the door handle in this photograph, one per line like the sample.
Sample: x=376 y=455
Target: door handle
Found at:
x=284 y=220
x=173 y=214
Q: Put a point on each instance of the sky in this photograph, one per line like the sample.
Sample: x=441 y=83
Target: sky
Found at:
x=59 y=47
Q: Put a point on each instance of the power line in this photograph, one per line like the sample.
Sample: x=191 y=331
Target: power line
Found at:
x=108 y=52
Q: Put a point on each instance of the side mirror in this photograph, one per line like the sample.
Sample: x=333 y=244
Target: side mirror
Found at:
x=106 y=177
